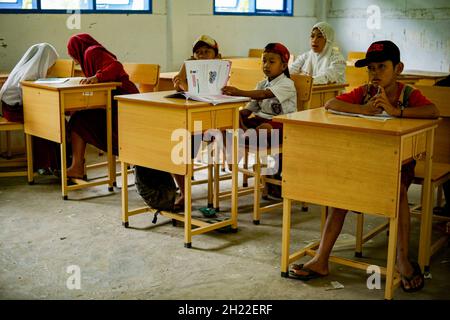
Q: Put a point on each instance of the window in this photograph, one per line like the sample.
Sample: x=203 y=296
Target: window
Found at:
x=86 y=6
x=253 y=7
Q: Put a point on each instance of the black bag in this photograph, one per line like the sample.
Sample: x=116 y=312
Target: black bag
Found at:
x=157 y=188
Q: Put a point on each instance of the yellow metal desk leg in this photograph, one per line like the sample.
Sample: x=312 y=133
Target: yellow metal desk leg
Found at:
x=427 y=211
x=123 y=166
x=30 y=169
x=286 y=235
x=234 y=173
x=111 y=157
x=188 y=207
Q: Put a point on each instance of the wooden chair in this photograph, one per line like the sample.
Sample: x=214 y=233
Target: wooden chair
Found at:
x=12 y=167
x=355 y=77
x=353 y=56
x=303 y=85
x=255 y=53
x=144 y=76
x=63 y=68
x=245 y=78
x=249 y=63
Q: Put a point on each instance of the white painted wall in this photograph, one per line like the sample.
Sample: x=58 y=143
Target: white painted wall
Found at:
x=165 y=37
x=419 y=28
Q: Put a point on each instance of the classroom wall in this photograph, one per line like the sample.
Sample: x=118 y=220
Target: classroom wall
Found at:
x=133 y=37
x=236 y=34
x=165 y=37
x=420 y=29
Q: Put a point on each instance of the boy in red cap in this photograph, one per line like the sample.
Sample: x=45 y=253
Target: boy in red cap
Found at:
x=382 y=93
x=272 y=96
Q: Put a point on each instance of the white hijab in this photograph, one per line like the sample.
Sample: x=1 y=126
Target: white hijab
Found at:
x=33 y=65
x=319 y=61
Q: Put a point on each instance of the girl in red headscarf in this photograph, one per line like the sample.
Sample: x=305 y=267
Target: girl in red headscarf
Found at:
x=89 y=126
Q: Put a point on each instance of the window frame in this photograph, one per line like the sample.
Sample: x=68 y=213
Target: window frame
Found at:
x=71 y=11
x=288 y=10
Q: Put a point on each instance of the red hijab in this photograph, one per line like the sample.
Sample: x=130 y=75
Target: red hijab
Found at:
x=77 y=46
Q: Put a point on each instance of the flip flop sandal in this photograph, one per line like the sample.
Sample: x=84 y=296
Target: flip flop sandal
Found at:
x=417 y=272
x=303 y=277
x=208 y=212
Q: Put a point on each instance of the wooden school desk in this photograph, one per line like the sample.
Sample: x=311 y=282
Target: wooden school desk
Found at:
x=3 y=77
x=321 y=93
x=147 y=122
x=421 y=77
x=351 y=163
x=45 y=107
x=165 y=80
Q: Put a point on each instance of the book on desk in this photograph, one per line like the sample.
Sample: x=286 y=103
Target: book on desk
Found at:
x=51 y=80
x=206 y=78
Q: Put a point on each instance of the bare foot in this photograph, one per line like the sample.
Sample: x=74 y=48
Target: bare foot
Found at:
x=411 y=276
x=75 y=172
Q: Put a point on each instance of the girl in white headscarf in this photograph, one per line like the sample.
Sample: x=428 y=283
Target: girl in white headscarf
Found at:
x=323 y=62
x=33 y=65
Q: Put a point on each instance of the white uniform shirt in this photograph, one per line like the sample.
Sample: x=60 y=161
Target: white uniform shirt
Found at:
x=285 y=100
x=324 y=69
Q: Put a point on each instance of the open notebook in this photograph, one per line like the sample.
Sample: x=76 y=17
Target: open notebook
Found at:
x=206 y=78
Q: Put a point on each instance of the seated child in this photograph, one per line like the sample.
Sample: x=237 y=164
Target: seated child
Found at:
x=383 y=93
x=323 y=62
x=204 y=48
x=272 y=96
x=89 y=126
x=33 y=65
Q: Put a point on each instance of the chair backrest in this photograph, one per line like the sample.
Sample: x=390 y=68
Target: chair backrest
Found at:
x=249 y=63
x=145 y=76
x=245 y=78
x=63 y=68
x=303 y=84
x=255 y=53
x=440 y=96
x=355 y=77
x=355 y=55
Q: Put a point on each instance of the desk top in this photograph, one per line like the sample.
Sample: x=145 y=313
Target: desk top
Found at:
x=328 y=87
x=319 y=117
x=158 y=99
x=168 y=75
x=424 y=74
x=4 y=75
x=72 y=83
